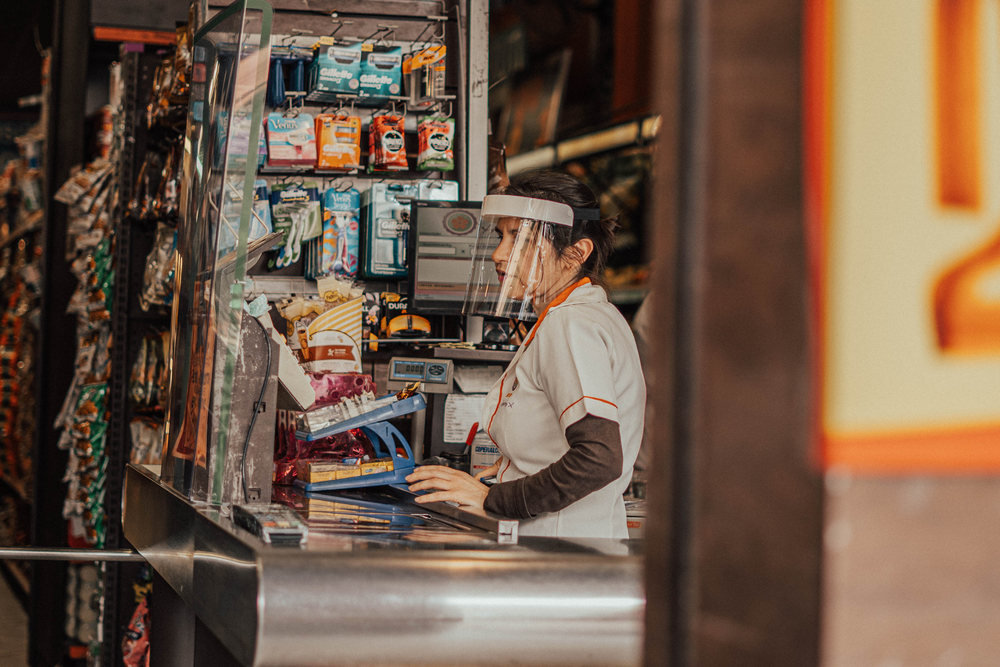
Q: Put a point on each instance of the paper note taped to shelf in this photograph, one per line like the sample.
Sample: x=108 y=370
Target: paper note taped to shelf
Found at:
x=461 y=411
x=477 y=379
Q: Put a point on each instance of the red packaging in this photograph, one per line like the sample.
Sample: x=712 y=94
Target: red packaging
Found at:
x=135 y=644
x=332 y=388
x=289 y=449
x=386 y=143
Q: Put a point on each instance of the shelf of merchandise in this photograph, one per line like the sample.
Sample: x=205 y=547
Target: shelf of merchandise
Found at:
x=626 y=296
x=129 y=325
x=133 y=239
x=636 y=132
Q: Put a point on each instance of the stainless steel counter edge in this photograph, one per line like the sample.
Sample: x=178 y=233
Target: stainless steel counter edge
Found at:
x=278 y=607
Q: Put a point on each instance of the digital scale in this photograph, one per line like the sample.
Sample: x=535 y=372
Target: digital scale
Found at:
x=434 y=375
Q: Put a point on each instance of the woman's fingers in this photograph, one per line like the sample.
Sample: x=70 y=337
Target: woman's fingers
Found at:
x=443 y=484
x=492 y=470
x=428 y=472
x=441 y=497
x=447 y=485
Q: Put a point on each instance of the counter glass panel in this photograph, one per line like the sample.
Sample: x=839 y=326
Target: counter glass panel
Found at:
x=229 y=77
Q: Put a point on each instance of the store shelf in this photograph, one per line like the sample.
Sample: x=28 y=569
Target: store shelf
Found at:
x=406 y=175
x=281 y=287
x=628 y=296
x=636 y=132
x=462 y=354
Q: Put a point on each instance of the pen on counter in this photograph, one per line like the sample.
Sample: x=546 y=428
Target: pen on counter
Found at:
x=472 y=436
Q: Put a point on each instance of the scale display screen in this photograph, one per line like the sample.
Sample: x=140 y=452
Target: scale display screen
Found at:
x=410 y=370
x=405 y=370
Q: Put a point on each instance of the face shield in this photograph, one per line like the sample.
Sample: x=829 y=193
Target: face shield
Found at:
x=516 y=269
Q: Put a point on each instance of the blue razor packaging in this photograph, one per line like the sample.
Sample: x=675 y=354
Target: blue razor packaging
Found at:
x=381 y=72
x=385 y=214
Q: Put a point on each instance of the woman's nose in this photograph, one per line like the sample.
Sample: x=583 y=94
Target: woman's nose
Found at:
x=502 y=252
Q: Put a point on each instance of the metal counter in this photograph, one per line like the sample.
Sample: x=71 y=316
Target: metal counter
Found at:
x=382 y=581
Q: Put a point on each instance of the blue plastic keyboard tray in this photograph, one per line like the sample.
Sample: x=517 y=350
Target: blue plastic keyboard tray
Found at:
x=397 y=409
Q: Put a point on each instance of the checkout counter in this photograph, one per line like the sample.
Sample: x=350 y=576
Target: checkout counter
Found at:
x=380 y=581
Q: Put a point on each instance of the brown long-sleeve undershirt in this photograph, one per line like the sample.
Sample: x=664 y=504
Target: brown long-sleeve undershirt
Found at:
x=593 y=461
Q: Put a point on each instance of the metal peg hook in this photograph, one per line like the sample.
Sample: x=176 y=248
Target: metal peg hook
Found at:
x=340 y=23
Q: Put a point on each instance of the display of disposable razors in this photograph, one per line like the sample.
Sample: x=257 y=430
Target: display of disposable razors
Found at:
x=296 y=213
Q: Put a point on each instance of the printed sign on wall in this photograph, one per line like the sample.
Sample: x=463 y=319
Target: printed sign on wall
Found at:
x=903 y=168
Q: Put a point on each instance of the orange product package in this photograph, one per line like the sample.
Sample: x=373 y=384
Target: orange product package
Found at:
x=386 y=143
x=338 y=142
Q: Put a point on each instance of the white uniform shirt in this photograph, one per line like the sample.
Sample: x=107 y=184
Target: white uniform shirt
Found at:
x=579 y=358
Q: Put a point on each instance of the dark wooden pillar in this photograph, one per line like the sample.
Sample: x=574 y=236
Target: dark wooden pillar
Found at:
x=734 y=540
x=54 y=366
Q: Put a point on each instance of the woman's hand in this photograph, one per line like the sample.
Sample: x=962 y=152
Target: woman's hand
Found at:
x=491 y=471
x=451 y=485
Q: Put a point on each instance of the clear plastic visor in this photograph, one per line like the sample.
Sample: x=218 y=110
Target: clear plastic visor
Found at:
x=516 y=269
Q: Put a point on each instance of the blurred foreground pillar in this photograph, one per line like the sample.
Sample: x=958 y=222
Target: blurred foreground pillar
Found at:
x=734 y=535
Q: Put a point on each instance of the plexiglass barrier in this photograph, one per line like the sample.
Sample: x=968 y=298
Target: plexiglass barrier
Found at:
x=230 y=65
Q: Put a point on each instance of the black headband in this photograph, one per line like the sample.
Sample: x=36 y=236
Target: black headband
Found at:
x=586 y=214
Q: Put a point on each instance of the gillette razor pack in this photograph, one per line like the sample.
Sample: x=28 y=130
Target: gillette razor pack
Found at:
x=385 y=216
x=260 y=218
x=335 y=69
x=381 y=72
x=385 y=213
x=295 y=210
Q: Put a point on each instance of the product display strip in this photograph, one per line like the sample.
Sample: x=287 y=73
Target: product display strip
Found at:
x=383 y=581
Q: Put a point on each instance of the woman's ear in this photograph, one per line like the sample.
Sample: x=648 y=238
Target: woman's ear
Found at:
x=584 y=247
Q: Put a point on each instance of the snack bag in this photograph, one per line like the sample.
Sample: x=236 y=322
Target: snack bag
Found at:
x=333 y=339
x=338 y=140
x=436 y=135
x=386 y=144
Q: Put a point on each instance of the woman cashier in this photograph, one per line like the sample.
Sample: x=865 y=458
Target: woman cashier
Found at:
x=567 y=414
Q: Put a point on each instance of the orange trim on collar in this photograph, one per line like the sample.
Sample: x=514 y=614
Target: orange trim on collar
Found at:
x=555 y=302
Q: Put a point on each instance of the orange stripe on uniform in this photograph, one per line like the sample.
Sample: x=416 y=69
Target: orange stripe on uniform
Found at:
x=593 y=398
x=499 y=399
x=555 y=302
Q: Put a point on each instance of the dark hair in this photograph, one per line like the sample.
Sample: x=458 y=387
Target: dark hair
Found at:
x=565 y=189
